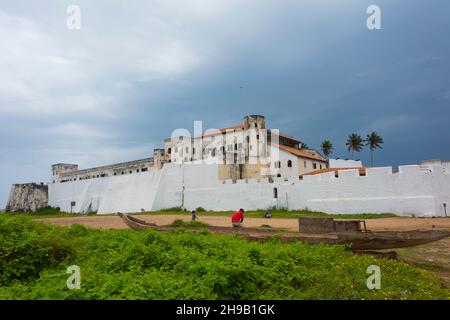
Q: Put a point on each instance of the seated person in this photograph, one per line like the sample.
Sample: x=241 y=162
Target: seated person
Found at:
x=237 y=218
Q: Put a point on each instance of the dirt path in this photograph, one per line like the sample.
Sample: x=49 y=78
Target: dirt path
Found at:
x=114 y=222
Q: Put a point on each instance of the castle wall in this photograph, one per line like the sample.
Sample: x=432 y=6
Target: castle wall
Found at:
x=408 y=191
x=27 y=197
x=413 y=189
x=440 y=185
x=127 y=193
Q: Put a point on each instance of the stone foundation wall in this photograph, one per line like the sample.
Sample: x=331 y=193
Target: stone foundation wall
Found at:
x=27 y=197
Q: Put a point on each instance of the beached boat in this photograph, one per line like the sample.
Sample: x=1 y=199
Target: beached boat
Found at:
x=354 y=240
x=135 y=223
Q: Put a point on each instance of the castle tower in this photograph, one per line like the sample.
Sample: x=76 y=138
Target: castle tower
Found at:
x=254 y=122
x=59 y=168
x=158 y=158
x=255 y=138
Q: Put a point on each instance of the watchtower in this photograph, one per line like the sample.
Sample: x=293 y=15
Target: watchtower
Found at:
x=254 y=122
x=59 y=168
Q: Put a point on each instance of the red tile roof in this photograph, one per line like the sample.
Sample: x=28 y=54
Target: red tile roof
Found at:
x=287 y=137
x=362 y=171
x=224 y=130
x=298 y=152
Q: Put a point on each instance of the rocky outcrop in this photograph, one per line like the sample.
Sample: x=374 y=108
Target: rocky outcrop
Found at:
x=27 y=197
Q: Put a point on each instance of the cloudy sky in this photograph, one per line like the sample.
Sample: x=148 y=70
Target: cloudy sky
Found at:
x=136 y=70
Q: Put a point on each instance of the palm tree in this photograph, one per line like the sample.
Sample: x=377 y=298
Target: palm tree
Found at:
x=303 y=145
x=374 y=141
x=354 y=143
x=327 y=147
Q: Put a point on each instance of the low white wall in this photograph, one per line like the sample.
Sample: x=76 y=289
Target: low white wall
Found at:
x=413 y=189
x=342 y=163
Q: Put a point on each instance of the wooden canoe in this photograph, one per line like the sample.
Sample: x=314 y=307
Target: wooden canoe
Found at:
x=392 y=239
x=355 y=241
x=135 y=223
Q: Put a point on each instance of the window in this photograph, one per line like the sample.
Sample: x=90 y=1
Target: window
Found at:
x=314 y=165
x=213 y=152
x=257 y=137
x=275 y=193
x=169 y=150
x=193 y=150
x=137 y=170
x=289 y=164
x=277 y=164
x=256 y=125
x=130 y=171
x=235 y=146
x=304 y=164
x=321 y=166
x=248 y=139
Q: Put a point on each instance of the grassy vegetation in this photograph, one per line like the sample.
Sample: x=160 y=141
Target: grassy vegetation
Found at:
x=187 y=224
x=433 y=256
x=173 y=209
x=277 y=213
x=50 y=212
x=123 y=264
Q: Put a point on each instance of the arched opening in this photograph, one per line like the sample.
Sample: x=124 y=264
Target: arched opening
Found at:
x=275 y=193
x=289 y=163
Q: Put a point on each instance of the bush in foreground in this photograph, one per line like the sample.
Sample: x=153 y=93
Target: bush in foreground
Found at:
x=181 y=265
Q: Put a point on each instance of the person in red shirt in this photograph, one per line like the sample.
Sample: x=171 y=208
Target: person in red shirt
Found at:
x=237 y=218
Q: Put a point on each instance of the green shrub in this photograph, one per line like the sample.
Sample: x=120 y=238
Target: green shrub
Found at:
x=173 y=209
x=200 y=209
x=27 y=248
x=187 y=224
x=48 y=211
x=124 y=264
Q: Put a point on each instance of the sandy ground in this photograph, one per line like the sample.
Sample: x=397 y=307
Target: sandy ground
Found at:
x=114 y=222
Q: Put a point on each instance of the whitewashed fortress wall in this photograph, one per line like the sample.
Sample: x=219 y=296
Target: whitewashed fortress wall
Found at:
x=411 y=190
x=64 y=172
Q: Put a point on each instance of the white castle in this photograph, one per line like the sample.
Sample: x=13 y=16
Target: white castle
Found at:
x=244 y=151
x=246 y=166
